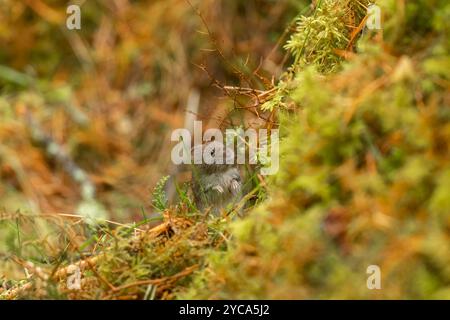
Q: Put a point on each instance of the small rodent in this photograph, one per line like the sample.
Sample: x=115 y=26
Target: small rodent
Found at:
x=216 y=186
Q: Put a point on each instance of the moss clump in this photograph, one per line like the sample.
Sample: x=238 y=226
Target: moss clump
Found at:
x=320 y=36
x=364 y=176
x=125 y=262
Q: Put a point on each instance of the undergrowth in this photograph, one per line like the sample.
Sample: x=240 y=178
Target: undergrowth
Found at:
x=363 y=180
x=364 y=172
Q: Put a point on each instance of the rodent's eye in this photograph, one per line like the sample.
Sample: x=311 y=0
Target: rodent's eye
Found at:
x=213 y=152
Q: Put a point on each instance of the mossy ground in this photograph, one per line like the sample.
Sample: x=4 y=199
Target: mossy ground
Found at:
x=364 y=180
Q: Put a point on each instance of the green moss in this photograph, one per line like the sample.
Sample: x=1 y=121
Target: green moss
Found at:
x=363 y=180
x=364 y=167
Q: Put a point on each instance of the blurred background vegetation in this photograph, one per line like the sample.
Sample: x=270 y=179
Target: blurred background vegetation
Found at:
x=364 y=176
x=111 y=93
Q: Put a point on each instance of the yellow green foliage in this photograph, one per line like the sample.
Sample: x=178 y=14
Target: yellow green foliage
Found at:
x=364 y=177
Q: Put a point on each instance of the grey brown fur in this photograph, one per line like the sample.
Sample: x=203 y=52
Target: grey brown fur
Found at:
x=216 y=186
